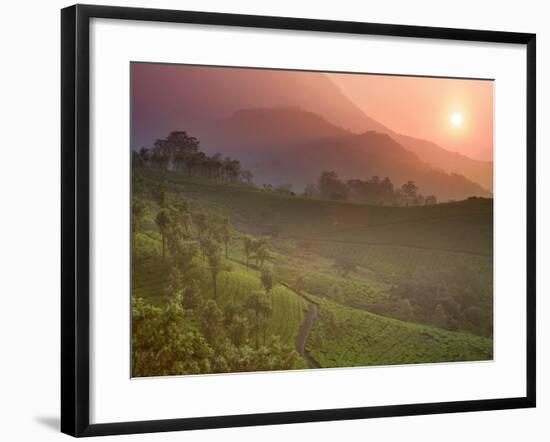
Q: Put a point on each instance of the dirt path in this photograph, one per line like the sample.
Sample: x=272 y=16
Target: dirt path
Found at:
x=303 y=334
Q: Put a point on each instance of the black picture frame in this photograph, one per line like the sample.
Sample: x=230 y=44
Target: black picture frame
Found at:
x=75 y=211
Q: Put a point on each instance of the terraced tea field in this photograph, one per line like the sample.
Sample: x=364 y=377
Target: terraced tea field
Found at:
x=347 y=337
x=385 y=248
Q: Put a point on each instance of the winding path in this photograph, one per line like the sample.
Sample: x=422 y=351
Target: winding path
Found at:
x=303 y=334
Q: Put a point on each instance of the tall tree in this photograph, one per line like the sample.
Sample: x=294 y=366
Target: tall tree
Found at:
x=331 y=187
x=225 y=233
x=211 y=321
x=139 y=209
x=163 y=221
x=262 y=252
x=159 y=194
x=212 y=251
x=267 y=278
x=409 y=190
x=249 y=244
x=259 y=303
x=201 y=220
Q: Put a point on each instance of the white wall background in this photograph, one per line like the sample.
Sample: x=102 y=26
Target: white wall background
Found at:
x=29 y=221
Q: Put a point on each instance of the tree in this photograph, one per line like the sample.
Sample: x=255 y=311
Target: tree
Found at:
x=225 y=233
x=163 y=221
x=409 y=190
x=285 y=188
x=267 y=277
x=200 y=218
x=211 y=320
x=430 y=200
x=163 y=345
x=159 y=194
x=238 y=330
x=311 y=191
x=144 y=156
x=212 y=251
x=261 y=252
x=259 y=303
x=139 y=209
x=249 y=244
x=175 y=150
x=247 y=176
x=331 y=187
x=184 y=253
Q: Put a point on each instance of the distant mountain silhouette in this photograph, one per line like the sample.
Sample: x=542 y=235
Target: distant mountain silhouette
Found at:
x=451 y=162
x=290 y=145
x=263 y=127
x=206 y=102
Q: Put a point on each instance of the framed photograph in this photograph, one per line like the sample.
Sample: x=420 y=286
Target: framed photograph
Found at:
x=273 y=220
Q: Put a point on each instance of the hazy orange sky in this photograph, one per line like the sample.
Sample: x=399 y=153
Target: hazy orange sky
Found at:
x=166 y=96
x=422 y=107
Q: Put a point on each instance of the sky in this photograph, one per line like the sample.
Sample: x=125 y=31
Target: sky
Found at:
x=424 y=108
x=165 y=96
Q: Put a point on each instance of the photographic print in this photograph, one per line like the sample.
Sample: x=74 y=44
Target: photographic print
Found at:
x=286 y=219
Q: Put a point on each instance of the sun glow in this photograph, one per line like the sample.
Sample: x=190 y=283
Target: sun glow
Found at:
x=456 y=119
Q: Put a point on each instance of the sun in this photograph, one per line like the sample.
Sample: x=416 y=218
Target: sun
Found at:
x=456 y=119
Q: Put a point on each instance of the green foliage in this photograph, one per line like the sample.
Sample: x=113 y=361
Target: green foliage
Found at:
x=162 y=345
x=343 y=337
x=418 y=265
x=139 y=209
x=267 y=277
x=211 y=319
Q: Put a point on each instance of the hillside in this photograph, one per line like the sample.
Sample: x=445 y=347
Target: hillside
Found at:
x=451 y=162
x=402 y=268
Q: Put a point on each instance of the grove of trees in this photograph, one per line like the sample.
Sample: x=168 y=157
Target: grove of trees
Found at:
x=181 y=152
x=193 y=332
x=372 y=191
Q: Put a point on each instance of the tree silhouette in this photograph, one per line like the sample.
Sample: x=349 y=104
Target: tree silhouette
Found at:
x=409 y=190
x=331 y=187
x=430 y=200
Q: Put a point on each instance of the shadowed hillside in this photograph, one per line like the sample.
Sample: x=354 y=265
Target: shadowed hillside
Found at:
x=292 y=145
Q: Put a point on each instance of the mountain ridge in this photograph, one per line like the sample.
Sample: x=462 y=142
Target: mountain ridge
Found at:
x=266 y=142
